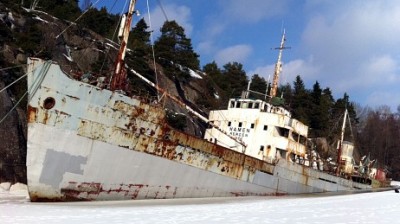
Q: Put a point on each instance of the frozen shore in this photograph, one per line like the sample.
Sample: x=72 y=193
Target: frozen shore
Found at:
x=380 y=207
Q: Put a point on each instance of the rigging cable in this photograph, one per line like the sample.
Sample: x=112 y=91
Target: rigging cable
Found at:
x=152 y=49
x=15 y=81
x=115 y=31
x=33 y=88
x=15 y=106
x=162 y=9
x=79 y=17
x=3 y=69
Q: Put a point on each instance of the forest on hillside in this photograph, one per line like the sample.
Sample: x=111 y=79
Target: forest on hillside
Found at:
x=375 y=131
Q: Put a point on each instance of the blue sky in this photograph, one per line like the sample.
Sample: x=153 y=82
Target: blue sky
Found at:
x=349 y=46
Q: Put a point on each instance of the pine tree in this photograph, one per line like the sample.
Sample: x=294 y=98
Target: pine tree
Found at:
x=138 y=57
x=139 y=43
x=235 y=79
x=258 y=84
x=326 y=104
x=316 y=124
x=301 y=101
x=62 y=9
x=100 y=21
x=173 y=49
x=287 y=92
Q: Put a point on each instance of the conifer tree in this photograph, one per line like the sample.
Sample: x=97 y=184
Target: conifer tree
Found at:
x=316 y=124
x=301 y=101
x=139 y=43
x=173 y=49
x=287 y=92
x=235 y=79
x=62 y=9
x=258 y=84
x=100 y=21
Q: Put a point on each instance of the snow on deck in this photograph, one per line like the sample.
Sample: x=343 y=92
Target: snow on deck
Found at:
x=382 y=207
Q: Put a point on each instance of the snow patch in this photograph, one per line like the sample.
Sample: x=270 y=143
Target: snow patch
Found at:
x=194 y=74
x=110 y=45
x=40 y=19
x=18 y=187
x=68 y=55
x=5 y=186
x=380 y=207
x=68 y=58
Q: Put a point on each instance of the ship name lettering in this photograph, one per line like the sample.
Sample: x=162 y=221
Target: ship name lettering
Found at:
x=239 y=132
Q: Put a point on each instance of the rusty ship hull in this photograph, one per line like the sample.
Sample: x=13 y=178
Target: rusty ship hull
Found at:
x=89 y=143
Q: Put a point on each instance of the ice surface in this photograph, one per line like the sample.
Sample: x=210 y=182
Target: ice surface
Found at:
x=383 y=207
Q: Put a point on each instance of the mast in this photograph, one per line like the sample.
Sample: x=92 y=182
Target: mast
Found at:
x=118 y=79
x=340 y=144
x=278 y=67
x=248 y=90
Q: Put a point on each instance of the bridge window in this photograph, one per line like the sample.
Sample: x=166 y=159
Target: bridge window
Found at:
x=303 y=140
x=229 y=123
x=265 y=127
x=295 y=136
x=262 y=148
x=237 y=104
x=240 y=124
x=284 y=132
x=257 y=105
x=252 y=125
x=232 y=104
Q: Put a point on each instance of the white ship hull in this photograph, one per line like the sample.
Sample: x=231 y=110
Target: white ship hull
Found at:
x=87 y=143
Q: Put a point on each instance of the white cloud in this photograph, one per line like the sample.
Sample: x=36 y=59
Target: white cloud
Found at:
x=205 y=47
x=306 y=69
x=378 y=71
x=181 y=14
x=237 y=53
x=266 y=71
x=380 y=98
x=229 y=15
x=356 y=46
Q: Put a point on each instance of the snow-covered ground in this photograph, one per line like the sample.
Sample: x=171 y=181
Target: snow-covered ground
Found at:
x=383 y=207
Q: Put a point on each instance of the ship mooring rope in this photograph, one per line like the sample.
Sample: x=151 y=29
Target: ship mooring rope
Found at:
x=13 y=83
x=34 y=86
x=38 y=81
x=8 y=86
x=15 y=106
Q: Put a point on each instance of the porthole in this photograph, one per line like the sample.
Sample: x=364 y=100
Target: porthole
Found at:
x=49 y=103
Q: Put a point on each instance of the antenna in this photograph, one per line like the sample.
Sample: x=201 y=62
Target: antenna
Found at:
x=248 y=88
x=266 y=90
x=278 y=66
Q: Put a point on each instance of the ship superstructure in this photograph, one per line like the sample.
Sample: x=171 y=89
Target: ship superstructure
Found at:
x=267 y=130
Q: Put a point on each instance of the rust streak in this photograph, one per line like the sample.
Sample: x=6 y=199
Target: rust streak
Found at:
x=73 y=97
x=31 y=114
